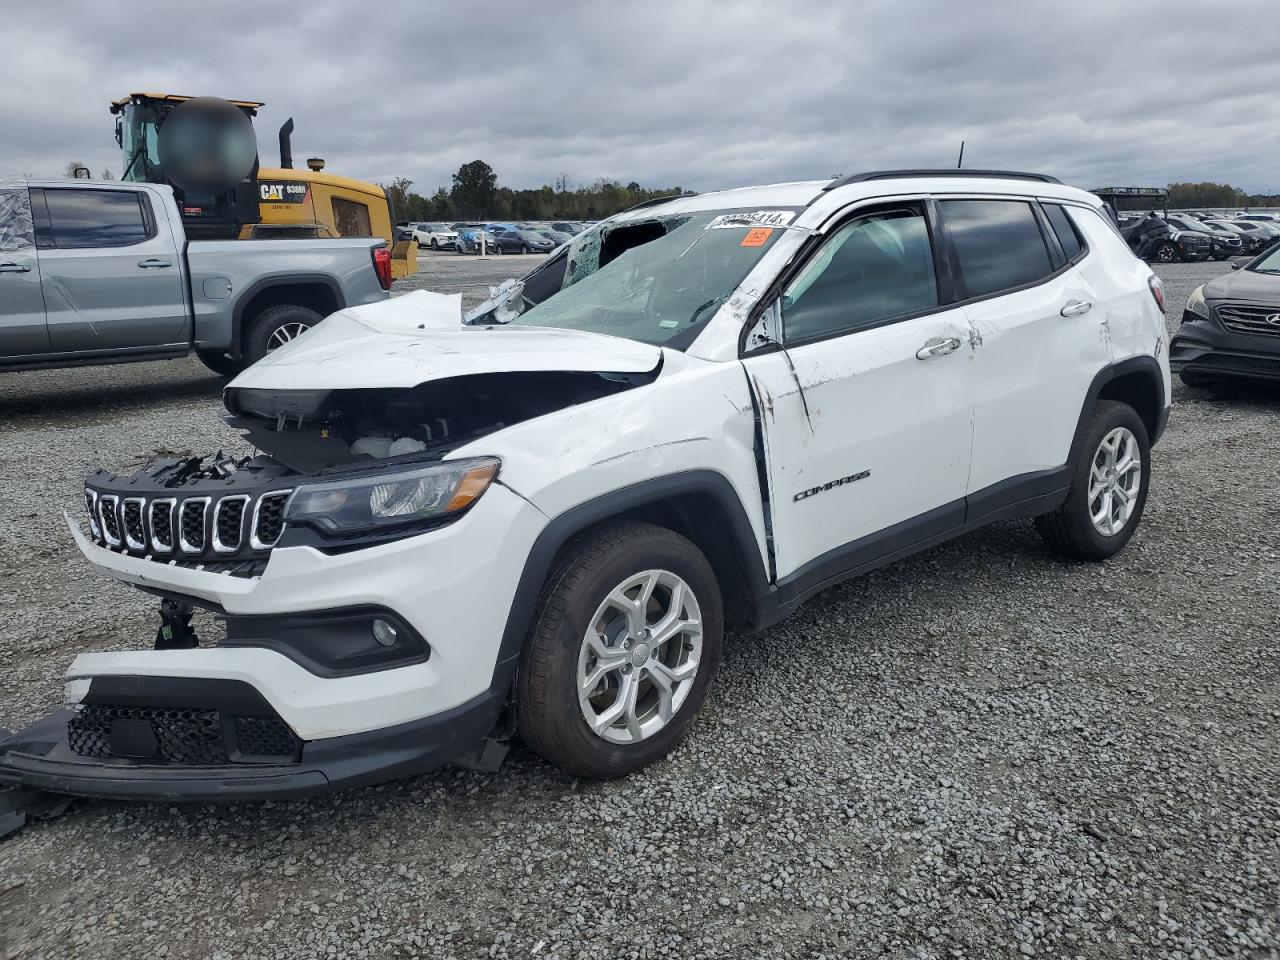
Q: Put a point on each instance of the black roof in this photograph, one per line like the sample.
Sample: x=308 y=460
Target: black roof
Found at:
x=946 y=172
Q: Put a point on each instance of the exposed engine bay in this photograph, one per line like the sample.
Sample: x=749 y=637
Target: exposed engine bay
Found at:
x=310 y=431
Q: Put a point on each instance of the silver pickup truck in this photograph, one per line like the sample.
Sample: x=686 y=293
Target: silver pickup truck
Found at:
x=103 y=273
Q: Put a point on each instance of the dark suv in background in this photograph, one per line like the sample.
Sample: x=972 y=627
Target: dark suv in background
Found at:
x=1231 y=326
x=1151 y=237
x=1224 y=242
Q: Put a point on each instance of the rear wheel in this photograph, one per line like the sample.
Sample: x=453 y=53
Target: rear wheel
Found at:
x=220 y=362
x=276 y=326
x=626 y=641
x=1108 y=487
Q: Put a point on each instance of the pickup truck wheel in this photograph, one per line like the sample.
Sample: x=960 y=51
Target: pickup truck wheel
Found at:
x=220 y=362
x=274 y=327
x=1108 y=487
x=625 y=643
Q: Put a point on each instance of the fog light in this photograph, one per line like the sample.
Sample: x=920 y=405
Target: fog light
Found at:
x=384 y=633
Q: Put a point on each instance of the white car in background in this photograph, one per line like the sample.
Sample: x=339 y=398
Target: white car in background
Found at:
x=436 y=236
x=536 y=519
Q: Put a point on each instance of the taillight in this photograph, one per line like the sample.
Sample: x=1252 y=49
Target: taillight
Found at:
x=1157 y=290
x=382 y=266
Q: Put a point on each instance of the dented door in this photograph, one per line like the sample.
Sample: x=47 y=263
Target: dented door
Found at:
x=863 y=436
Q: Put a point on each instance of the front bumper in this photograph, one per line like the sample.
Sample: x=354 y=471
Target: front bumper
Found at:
x=41 y=758
x=1205 y=348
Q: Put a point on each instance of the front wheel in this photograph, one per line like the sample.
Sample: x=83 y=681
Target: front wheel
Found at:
x=524 y=248
x=435 y=244
x=274 y=327
x=1108 y=487
x=625 y=643
x=1167 y=252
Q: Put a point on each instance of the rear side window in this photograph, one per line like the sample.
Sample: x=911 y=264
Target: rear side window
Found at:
x=998 y=243
x=871 y=271
x=97 y=218
x=17 y=232
x=1066 y=232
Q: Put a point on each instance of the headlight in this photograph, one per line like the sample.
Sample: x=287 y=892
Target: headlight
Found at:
x=1196 y=304
x=393 y=498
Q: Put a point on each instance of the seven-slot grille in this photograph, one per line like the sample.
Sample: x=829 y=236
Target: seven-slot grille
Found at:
x=1250 y=318
x=188 y=527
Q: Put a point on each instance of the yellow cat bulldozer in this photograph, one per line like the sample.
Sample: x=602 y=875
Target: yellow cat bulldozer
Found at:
x=205 y=148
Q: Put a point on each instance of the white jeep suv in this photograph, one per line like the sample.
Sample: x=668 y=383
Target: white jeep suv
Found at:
x=537 y=519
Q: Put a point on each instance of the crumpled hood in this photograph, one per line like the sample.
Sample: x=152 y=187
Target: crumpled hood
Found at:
x=420 y=337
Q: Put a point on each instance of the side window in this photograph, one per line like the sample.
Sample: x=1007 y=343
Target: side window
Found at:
x=17 y=232
x=352 y=218
x=870 y=271
x=1065 y=230
x=998 y=243
x=97 y=218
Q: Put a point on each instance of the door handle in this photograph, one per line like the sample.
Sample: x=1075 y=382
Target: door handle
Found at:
x=938 y=347
x=14 y=268
x=1075 y=308
x=154 y=262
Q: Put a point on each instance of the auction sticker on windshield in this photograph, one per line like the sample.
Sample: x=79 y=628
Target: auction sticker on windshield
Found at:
x=756 y=237
x=758 y=218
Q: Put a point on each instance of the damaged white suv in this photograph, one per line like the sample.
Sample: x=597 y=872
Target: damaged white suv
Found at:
x=537 y=519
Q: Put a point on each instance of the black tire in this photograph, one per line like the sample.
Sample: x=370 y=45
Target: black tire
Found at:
x=548 y=717
x=258 y=334
x=1193 y=379
x=435 y=244
x=220 y=362
x=1220 y=256
x=1166 y=252
x=1069 y=530
x=524 y=248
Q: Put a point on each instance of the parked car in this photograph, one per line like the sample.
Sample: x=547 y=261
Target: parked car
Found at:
x=539 y=517
x=103 y=273
x=565 y=226
x=1258 y=217
x=1255 y=237
x=1225 y=243
x=555 y=236
x=403 y=230
x=437 y=236
x=1152 y=238
x=522 y=241
x=1231 y=325
x=469 y=237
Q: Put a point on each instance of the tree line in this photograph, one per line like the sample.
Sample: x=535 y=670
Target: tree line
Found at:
x=1217 y=195
x=476 y=195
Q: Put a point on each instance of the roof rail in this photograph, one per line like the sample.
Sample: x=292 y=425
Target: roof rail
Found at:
x=946 y=172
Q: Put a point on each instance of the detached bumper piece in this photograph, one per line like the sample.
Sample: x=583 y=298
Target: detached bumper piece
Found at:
x=188 y=739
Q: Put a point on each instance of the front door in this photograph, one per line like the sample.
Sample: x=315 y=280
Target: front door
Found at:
x=866 y=415
x=22 y=322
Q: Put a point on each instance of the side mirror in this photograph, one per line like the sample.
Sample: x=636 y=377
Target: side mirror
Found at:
x=1239 y=262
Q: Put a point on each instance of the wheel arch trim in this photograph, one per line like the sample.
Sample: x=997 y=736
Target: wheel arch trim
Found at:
x=1149 y=369
x=251 y=292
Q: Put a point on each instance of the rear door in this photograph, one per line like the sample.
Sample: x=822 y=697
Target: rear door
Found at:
x=22 y=321
x=111 y=270
x=866 y=415
x=1038 y=334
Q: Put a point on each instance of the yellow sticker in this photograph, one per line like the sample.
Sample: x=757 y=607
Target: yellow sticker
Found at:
x=756 y=237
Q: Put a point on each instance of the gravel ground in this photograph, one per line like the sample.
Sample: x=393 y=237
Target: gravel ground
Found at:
x=981 y=751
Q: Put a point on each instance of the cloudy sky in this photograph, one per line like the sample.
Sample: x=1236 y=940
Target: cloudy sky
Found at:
x=698 y=93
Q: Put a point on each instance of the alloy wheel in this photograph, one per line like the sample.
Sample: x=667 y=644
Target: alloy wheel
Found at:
x=284 y=333
x=1115 y=480
x=639 y=657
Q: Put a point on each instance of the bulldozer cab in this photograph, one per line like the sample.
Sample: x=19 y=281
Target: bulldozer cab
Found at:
x=215 y=204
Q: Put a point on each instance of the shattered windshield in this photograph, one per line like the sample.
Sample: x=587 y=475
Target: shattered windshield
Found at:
x=657 y=280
